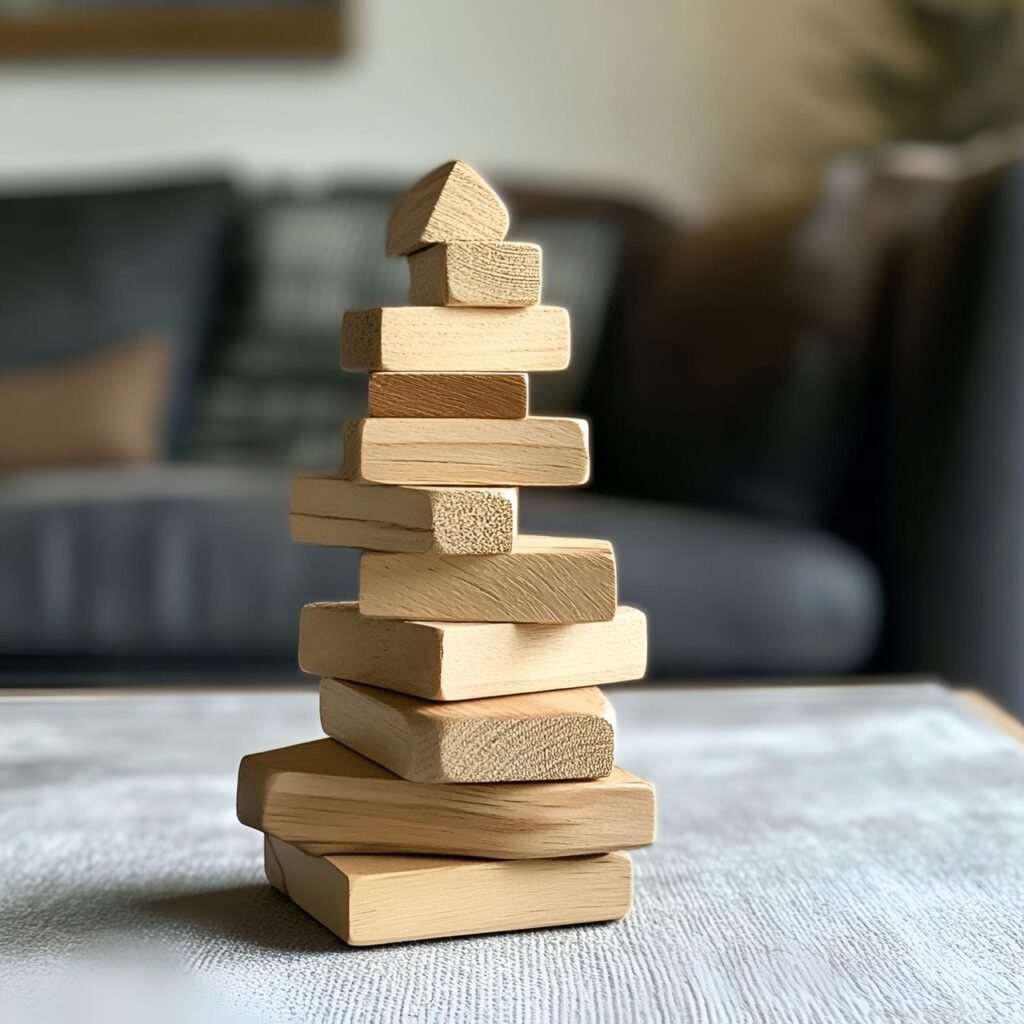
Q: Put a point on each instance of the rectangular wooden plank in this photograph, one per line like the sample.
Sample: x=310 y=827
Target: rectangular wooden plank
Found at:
x=474 y=396
x=467 y=660
x=326 y=798
x=475 y=274
x=539 y=451
x=369 y=900
x=543 y=579
x=336 y=512
x=532 y=737
x=438 y=339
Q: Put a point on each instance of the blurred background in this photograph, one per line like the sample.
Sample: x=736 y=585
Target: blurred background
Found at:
x=791 y=237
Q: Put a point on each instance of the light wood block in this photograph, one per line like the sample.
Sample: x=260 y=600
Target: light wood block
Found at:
x=539 y=451
x=450 y=203
x=438 y=339
x=476 y=274
x=369 y=900
x=543 y=579
x=326 y=798
x=471 y=396
x=533 y=737
x=468 y=660
x=335 y=512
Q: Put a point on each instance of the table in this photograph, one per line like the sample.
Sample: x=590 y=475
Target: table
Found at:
x=836 y=854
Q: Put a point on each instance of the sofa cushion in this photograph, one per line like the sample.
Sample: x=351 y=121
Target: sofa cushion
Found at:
x=194 y=560
x=79 y=271
x=106 y=406
x=724 y=593
x=171 y=559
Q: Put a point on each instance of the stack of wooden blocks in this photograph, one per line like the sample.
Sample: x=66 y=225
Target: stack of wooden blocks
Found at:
x=468 y=784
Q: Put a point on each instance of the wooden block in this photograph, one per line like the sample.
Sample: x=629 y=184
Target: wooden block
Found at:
x=543 y=579
x=468 y=660
x=468 y=396
x=449 y=204
x=539 y=451
x=369 y=900
x=437 y=339
x=326 y=798
x=336 y=512
x=476 y=274
x=533 y=737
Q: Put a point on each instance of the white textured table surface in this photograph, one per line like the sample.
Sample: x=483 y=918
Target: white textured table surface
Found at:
x=849 y=855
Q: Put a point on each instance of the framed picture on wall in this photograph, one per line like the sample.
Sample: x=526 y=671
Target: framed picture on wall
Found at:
x=169 y=28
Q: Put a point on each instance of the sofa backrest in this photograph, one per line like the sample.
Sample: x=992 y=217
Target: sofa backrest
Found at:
x=273 y=391
x=758 y=356
x=85 y=269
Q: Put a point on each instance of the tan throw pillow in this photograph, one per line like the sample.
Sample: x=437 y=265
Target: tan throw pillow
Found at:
x=108 y=406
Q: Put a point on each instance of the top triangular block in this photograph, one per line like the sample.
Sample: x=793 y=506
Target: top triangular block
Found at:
x=450 y=204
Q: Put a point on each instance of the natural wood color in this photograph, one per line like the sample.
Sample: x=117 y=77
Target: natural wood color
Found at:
x=539 y=451
x=533 y=737
x=476 y=274
x=326 y=798
x=470 y=396
x=986 y=708
x=543 y=579
x=467 y=660
x=332 y=511
x=438 y=339
x=313 y=30
x=369 y=900
x=451 y=203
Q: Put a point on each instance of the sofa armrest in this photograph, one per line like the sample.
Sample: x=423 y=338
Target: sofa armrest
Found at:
x=957 y=571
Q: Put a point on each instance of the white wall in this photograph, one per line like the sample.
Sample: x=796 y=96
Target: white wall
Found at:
x=687 y=102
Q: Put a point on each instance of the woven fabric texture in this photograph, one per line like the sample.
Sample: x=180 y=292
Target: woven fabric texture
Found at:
x=826 y=856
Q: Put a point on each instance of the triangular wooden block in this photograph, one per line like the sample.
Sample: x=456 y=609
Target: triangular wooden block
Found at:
x=534 y=737
x=326 y=798
x=450 y=204
x=369 y=900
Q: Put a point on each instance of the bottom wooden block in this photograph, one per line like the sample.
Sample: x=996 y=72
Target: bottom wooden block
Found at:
x=368 y=900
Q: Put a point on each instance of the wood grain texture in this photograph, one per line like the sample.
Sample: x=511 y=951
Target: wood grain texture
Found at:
x=449 y=204
x=326 y=798
x=335 y=512
x=539 y=451
x=438 y=339
x=476 y=274
x=467 y=660
x=472 y=396
x=543 y=579
x=370 y=900
x=986 y=708
x=533 y=737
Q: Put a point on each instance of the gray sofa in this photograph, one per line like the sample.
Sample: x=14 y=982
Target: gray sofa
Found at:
x=733 y=416
x=190 y=566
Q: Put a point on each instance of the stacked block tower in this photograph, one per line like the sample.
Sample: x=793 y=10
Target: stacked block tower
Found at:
x=468 y=781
